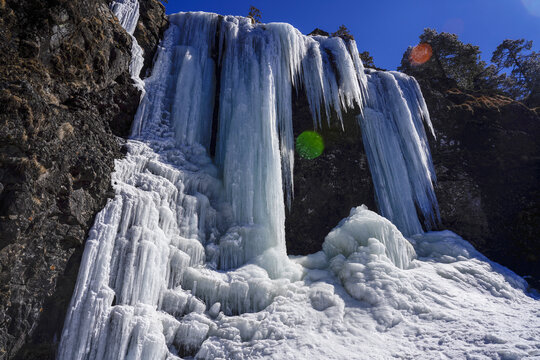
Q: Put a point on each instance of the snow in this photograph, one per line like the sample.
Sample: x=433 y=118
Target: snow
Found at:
x=366 y=230
x=189 y=259
x=450 y=303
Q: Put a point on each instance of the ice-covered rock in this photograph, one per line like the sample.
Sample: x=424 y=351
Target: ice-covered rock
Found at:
x=127 y=13
x=365 y=231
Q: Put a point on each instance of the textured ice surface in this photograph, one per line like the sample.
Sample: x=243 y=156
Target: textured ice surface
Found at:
x=451 y=303
x=256 y=69
x=188 y=259
x=367 y=231
x=398 y=152
x=127 y=12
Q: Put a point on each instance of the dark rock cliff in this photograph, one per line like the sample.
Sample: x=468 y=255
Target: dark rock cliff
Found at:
x=327 y=187
x=149 y=31
x=487 y=159
x=67 y=100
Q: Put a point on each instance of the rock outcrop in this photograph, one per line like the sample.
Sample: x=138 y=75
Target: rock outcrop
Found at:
x=487 y=159
x=149 y=31
x=67 y=100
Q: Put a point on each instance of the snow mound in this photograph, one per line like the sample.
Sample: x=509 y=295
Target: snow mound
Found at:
x=365 y=232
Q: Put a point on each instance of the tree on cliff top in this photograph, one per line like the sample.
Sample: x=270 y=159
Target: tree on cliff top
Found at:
x=255 y=14
x=523 y=66
x=367 y=59
x=343 y=32
x=443 y=60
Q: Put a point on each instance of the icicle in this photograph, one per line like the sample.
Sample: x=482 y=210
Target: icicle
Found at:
x=127 y=12
x=258 y=67
x=398 y=152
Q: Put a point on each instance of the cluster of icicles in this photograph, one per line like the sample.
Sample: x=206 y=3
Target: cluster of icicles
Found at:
x=189 y=235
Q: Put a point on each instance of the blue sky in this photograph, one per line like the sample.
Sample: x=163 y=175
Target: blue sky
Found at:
x=387 y=27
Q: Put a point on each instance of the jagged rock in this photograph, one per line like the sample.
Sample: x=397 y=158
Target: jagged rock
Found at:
x=149 y=31
x=320 y=32
x=67 y=101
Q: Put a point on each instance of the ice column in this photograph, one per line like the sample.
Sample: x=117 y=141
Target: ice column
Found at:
x=251 y=70
x=398 y=152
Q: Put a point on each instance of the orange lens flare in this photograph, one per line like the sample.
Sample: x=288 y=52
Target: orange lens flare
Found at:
x=420 y=54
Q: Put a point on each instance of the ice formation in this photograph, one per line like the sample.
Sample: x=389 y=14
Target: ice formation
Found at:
x=398 y=152
x=189 y=258
x=127 y=13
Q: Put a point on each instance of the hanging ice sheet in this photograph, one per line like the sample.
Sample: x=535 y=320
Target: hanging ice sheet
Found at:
x=254 y=70
x=398 y=152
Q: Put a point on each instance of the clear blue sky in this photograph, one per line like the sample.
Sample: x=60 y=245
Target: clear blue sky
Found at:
x=387 y=27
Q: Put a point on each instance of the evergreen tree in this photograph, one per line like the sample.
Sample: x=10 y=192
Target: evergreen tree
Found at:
x=446 y=62
x=343 y=32
x=522 y=65
x=367 y=59
x=255 y=15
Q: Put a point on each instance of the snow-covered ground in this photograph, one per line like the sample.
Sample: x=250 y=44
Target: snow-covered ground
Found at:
x=451 y=303
x=370 y=294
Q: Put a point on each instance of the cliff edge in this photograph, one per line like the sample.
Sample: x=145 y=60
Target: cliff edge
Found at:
x=68 y=102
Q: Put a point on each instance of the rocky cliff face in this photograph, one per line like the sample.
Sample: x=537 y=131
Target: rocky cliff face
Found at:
x=67 y=100
x=327 y=187
x=487 y=159
x=149 y=31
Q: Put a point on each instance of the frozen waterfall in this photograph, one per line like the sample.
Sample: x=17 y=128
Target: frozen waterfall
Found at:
x=398 y=153
x=189 y=258
x=127 y=12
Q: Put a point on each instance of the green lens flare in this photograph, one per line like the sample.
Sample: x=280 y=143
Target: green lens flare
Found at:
x=309 y=145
